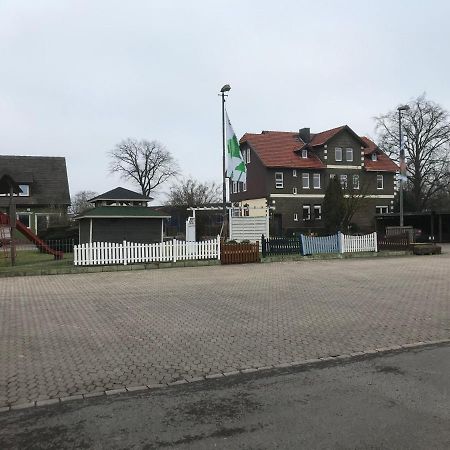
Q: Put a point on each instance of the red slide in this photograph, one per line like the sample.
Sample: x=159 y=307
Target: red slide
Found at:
x=40 y=244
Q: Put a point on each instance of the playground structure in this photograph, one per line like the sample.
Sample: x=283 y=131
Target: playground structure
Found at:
x=6 y=238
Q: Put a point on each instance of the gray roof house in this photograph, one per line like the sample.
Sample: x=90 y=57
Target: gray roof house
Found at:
x=121 y=215
x=44 y=188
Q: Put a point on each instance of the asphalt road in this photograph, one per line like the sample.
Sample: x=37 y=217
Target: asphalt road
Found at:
x=396 y=401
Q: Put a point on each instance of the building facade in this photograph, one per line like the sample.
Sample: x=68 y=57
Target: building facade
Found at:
x=44 y=189
x=289 y=172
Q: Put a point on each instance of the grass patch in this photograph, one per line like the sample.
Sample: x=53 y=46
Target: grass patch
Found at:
x=32 y=260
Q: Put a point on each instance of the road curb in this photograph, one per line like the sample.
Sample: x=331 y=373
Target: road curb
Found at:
x=307 y=363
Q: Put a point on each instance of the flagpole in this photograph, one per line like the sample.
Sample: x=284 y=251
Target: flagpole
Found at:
x=224 y=89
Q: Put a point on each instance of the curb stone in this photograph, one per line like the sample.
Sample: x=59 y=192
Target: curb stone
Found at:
x=356 y=356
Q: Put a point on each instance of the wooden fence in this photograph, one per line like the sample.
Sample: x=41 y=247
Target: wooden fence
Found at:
x=239 y=253
x=104 y=253
x=398 y=242
x=280 y=246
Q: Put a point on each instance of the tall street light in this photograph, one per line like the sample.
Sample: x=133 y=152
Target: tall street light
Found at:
x=402 y=158
x=223 y=91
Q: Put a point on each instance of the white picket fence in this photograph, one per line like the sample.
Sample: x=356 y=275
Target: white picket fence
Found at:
x=104 y=253
x=350 y=244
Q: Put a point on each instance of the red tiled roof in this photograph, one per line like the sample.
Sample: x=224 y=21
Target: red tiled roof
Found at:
x=278 y=149
x=324 y=136
x=281 y=149
x=383 y=162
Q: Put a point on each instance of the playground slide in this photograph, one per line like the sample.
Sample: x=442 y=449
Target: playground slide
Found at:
x=40 y=244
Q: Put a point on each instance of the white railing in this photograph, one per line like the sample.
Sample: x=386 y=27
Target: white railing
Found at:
x=104 y=253
x=366 y=243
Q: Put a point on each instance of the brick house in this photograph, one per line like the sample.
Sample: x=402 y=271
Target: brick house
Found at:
x=290 y=171
x=44 y=189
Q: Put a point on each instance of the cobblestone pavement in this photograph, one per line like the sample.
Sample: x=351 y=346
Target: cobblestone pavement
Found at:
x=86 y=333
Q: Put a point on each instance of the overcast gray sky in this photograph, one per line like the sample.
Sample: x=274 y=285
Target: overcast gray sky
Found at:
x=77 y=76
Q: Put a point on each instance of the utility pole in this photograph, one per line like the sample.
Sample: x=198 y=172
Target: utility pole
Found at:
x=402 y=158
x=224 y=89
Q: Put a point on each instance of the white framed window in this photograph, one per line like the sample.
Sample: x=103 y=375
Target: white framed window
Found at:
x=305 y=180
x=381 y=209
x=349 y=154
x=279 y=180
x=316 y=180
x=247 y=156
x=343 y=179
x=380 y=181
x=355 y=181
x=294 y=190
x=25 y=188
x=374 y=157
x=304 y=153
x=244 y=187
x=317 y=212
x=294 y=172
x=235 y=187
x=295 y=217
x=306 y=212
x=338 y=154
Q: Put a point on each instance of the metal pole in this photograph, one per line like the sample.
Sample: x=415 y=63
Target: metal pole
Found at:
x=402 y=160
x=224 y=188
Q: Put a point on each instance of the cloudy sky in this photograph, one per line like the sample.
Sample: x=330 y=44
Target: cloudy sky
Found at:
x=77 y=76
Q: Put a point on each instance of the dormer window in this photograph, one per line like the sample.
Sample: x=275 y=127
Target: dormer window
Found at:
x=304 y=153
x=25 y=188
x=374 y=156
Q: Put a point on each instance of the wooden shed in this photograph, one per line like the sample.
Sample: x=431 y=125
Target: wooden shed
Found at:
x=121 y=215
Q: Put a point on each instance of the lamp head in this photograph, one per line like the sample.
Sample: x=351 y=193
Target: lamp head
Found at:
x=403 y=108
x=226 y=88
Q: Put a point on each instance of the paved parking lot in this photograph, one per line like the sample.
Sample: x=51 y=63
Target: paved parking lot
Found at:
x=79 y=334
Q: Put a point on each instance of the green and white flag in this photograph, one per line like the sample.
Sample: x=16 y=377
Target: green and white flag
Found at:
x=236 y=169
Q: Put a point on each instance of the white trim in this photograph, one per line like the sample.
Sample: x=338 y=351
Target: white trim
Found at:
x=314 y=177
x=370 y=196
x=280 y=181
x=297 y=195
x=294 y=173
x=346 y=154
x=294 y=191
x=295 y=217
x=305 y=176
x=335 y=166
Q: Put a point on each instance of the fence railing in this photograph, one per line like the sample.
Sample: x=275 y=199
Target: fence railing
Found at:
x=319 y=244
x=239 y=253
x=312 y=245
x=104 y=253
x=353 y=244
x=397 y=242
x=280 y=246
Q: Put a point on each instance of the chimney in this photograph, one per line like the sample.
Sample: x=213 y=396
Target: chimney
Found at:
x=305 y=135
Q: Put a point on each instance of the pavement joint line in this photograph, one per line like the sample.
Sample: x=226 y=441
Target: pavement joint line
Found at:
x=307 y=362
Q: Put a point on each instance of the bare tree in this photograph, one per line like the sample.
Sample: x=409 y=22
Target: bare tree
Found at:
x=190 y=192
x=355 y=200
x=79 y=202
x=427 y=148
x=147 y=163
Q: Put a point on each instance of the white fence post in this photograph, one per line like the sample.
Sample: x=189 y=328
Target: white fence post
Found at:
x=375 y=241
x=218 y=247
x=125 y=253
x=174 y=243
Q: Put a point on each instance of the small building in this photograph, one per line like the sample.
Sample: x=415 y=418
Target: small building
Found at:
x=121 y=215
x=43 y=196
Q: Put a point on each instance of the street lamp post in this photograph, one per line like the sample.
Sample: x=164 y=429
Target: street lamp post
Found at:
x=224 y=89
x=402 y=158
